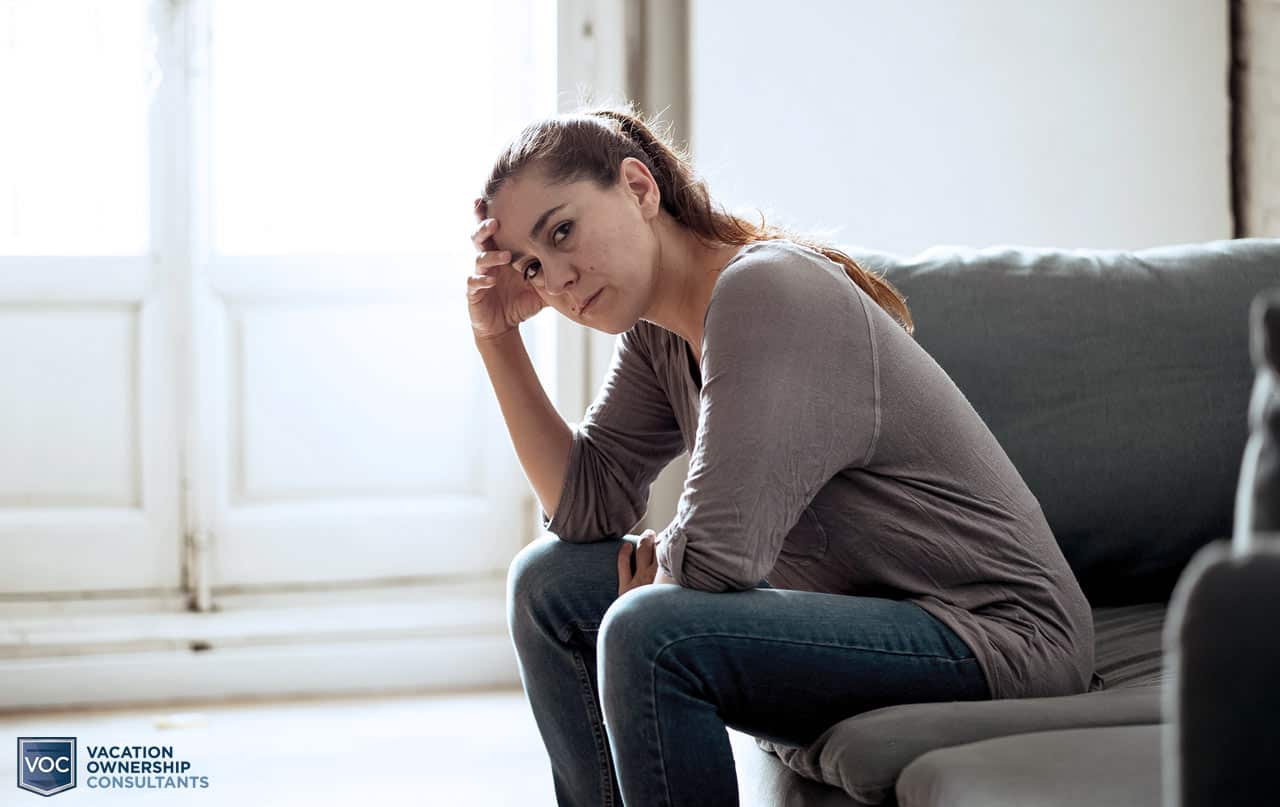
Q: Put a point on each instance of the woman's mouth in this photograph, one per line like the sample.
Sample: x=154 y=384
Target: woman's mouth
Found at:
x=590 y=301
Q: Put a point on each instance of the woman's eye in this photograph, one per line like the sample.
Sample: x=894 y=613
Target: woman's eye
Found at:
x=532 y=264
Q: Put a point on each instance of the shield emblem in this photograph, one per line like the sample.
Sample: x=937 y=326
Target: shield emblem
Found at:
x=46 y=765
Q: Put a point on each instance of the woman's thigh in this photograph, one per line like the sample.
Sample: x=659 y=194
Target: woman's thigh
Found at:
x=785 y=665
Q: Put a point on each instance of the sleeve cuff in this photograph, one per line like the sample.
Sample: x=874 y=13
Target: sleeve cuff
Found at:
x=670 y=552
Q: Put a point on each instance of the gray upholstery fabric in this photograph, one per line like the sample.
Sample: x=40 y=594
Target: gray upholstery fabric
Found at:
x=1128 y=644
x=863 y=755
x=764 y=780
x=1105 y=767
x=1223 y=654
x=1116 y=381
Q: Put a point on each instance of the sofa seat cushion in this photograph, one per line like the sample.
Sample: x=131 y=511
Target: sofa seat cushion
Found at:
x=1070 y=768
x=864 y=754
x=764 y=780
x=1128 y=644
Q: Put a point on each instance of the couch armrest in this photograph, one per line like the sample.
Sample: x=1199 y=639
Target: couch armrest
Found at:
x=1222 y=649
x=1222 y=665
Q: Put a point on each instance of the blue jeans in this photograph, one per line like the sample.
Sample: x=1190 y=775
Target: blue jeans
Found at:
x=632 y=694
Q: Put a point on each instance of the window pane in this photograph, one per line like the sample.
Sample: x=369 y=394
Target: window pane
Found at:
x=365 y=127
x=74 y=95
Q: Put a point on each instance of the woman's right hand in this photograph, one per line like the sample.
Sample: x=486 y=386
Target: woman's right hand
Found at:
x=497 y=297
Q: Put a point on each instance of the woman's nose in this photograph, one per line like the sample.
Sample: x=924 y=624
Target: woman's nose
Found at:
x=560 y=278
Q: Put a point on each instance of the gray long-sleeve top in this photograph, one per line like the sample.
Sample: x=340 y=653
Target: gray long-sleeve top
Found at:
x=828 y=452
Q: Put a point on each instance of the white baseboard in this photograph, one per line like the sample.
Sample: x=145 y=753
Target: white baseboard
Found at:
x=317 y=643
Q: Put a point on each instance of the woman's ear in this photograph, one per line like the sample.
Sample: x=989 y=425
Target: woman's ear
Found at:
x=640 y=185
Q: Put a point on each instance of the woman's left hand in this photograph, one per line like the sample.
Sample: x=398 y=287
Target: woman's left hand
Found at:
x=646 y=564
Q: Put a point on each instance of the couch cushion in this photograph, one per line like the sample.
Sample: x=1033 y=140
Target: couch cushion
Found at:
x=764 y=780
x=1117 y=382
x=1071 y=768
x=863 y=754
x=1128 y=642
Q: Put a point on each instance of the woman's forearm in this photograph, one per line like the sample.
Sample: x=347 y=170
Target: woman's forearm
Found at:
x=541 y=437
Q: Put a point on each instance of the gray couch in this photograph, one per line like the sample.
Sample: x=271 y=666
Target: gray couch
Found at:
x=1119 y=384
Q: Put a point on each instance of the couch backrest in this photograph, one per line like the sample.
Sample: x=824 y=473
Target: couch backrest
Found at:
x=1117 y=382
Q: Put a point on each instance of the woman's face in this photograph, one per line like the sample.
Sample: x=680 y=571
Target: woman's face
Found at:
x=571 y=241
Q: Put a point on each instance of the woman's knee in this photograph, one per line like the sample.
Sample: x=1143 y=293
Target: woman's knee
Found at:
x=562 y=582
x=633 y=626
x=633 y=633
x=531 y=573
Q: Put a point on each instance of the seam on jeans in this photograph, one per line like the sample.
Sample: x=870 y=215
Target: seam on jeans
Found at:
x=970 y=657
x=597 y=730
x=657 y=725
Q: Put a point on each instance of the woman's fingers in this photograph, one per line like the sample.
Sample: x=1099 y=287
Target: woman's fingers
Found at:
x=648 y=550
x=480 y=236
x=645 y=551
x=483 y=234
x=477 y=282
x=624 y=566
x=491 y=258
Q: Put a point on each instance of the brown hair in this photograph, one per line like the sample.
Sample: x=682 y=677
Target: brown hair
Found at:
x=592 y=143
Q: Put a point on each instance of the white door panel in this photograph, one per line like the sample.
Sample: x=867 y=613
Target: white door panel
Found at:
x=88 y=444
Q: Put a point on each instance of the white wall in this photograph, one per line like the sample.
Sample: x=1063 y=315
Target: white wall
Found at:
x=904 y=125
x=1260 y=88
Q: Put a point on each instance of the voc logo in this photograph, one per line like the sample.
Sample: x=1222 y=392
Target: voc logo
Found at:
x=46 y=765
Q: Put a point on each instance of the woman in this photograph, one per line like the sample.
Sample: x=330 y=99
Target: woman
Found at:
x=907 y=559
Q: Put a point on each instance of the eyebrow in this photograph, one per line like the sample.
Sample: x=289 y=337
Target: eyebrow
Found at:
x=537 y=226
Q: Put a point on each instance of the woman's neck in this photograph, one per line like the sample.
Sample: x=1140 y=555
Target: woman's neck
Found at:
x=685 y=279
